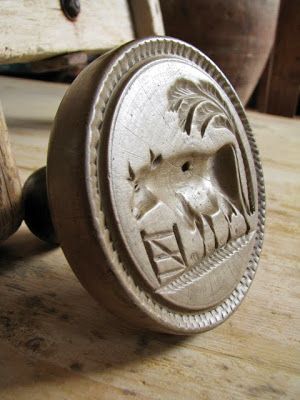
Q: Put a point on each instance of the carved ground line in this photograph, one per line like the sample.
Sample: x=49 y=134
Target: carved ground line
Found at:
x=206 y=266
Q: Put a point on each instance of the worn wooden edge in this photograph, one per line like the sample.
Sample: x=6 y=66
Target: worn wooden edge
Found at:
x=38 y=30
x=147 y=18
x=10 y=186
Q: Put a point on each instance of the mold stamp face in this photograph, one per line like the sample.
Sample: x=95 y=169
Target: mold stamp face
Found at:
x=172 y=186
x=185 y=186
x=204 y=182
x=164 y=186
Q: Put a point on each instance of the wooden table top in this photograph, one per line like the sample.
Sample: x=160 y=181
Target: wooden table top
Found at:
x=56 y=342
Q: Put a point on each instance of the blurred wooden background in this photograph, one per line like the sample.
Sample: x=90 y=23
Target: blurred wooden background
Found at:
x=256 y=43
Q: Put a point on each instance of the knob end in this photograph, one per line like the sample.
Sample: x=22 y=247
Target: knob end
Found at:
x=36 y=207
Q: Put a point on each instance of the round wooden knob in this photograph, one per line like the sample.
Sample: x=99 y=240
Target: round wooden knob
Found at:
x=155 y=186
x=36 y=208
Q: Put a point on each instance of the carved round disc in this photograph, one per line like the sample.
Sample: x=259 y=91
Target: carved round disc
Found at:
x=156 y=187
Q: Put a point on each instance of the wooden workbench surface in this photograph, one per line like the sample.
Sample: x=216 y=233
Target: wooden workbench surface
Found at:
x=57 y=343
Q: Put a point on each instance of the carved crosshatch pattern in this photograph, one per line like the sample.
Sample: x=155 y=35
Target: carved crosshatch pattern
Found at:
x=166 y=253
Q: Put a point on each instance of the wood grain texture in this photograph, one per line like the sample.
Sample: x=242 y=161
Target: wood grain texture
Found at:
x=25 y=103
x=56 y=342
x=37 y=29
x=236 y=35
x=147 y=17
x=278 y=90
x=10 y=188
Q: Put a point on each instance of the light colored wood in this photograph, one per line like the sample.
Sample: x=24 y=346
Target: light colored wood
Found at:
x=147 y=17
x=193 y=231
x=24 y=101
x=37 y=29
x=10 y=188
x=56 y=342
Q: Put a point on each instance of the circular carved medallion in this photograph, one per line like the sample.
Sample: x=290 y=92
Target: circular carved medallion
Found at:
x=156 y=187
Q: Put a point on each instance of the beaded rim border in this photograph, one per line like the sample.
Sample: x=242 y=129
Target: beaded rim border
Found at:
x=129 y=55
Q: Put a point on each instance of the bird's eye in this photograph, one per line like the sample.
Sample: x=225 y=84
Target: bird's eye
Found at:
x=186 y=166
x=136 y=187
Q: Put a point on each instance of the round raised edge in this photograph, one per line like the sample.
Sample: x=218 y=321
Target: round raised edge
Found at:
x=120 y=62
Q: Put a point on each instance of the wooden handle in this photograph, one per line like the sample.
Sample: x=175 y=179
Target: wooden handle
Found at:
x=10 y=187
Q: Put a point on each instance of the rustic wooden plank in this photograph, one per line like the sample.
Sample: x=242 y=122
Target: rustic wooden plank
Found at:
x=56 y=342
x=279 y=88
x=38 y=29
x=25 y=100
x=147 y=17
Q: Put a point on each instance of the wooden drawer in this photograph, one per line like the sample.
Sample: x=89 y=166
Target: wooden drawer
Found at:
x=37 y=29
